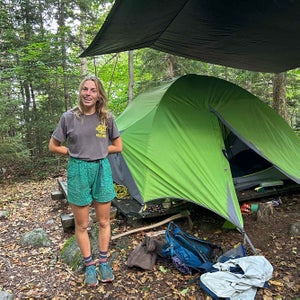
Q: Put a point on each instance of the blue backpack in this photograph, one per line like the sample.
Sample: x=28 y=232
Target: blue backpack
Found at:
x=189 y=253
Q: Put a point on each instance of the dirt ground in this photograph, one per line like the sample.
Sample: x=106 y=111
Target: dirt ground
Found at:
x=37 y=273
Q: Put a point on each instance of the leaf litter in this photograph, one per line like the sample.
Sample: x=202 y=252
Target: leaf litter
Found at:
x=31 y=273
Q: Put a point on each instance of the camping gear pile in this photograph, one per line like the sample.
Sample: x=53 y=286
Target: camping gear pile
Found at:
x=232 y=274
x=237 y=279
x=189 y=253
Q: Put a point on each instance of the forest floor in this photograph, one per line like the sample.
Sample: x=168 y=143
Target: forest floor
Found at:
x=37 y=273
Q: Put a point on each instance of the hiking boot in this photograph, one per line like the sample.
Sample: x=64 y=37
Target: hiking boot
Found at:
x=106 y=272
x=91 y=276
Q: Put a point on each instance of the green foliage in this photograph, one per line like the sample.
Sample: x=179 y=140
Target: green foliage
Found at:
x=14 y=155
x=40 y=71
x=12 y=149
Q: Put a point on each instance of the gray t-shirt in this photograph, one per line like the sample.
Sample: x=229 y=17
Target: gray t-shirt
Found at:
x=88 y=139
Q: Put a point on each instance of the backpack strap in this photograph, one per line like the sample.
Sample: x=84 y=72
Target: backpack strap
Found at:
x=207 y=267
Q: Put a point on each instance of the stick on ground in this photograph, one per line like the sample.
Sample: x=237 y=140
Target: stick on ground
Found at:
x=183 y=214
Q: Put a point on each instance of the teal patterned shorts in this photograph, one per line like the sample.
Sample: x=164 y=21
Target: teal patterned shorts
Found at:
x=89 y=181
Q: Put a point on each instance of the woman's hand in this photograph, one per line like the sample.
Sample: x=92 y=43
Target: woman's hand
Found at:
x=116 y=145
x=56 y=147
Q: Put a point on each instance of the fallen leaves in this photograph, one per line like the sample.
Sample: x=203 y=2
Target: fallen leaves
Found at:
x=276 y=283
x=31 y=273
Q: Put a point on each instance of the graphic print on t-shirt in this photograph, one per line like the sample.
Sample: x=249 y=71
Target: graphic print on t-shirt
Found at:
x=101 y=129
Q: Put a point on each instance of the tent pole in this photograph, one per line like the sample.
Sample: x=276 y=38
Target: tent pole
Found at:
x=247 y=240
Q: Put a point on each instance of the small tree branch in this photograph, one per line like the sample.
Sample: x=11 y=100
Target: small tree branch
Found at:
x=183 y=214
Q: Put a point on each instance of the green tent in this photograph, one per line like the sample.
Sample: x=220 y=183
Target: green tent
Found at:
x=174 y=142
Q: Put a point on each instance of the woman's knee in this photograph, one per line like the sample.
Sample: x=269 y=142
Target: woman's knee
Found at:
x=81 y=216
x=104 y=222
x=82 y=226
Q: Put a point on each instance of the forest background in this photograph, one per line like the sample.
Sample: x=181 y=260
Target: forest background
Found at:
x=40 y=70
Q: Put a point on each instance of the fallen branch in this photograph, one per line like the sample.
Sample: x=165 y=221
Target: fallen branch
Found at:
x=155 y=233
x=183 y=214
x=65 y=269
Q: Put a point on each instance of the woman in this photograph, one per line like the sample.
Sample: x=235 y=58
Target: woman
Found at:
x=92 y=134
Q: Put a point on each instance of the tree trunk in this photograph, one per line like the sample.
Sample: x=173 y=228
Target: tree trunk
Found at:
x=62 y=35
x=25 y=92
x=298 y=117
x=130 y=75
x=26 y=83
x=172 y=66
x=226 y=73
x=83 y=60
x=37 y=147
x=279 y=95
x=113 y=74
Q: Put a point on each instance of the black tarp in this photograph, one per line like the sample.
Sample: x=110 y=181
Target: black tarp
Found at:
x=256 y=35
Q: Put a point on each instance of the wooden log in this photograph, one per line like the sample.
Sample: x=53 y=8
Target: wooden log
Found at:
x=57 y=195
x=63 y=186
x=67 y=221
x=183 y=214
x=155 y=233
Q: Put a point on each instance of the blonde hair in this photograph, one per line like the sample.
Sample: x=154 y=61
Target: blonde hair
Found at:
x=101 y=104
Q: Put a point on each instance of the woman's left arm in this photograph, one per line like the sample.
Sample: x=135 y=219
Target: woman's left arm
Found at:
x=116 y=145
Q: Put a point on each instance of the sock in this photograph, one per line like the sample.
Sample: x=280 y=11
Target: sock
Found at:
x=88 y=261
x=103 y=257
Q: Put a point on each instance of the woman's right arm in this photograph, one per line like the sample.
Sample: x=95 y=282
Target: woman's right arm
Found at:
x=56 y=147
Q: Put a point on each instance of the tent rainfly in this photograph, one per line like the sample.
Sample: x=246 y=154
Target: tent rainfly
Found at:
x=256 y=35
x=174 y=140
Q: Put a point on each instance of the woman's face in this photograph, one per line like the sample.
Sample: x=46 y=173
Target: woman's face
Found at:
x=89 y=94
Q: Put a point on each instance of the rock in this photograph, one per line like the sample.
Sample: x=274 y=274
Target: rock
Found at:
x=37 y=237
x=265 y=210
x=71 y=255
x=50 y=222
x=3 y=215
x=295 y=229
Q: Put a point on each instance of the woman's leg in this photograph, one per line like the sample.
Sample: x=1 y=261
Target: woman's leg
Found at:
x=103 y=218
x=81 y=216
